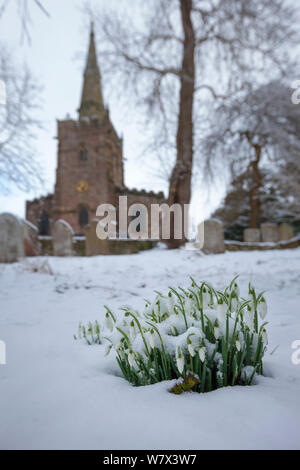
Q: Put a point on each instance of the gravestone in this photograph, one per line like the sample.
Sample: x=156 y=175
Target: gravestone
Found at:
x=31 y=242
x=62 y=238
x=251 y=235
x=11 y=238
x=286 y=232
x=211 y=237
x=269 y=233
x=93 y=244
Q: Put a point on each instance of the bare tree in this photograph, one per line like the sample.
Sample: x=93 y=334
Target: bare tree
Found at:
x=172 y=56
x=260 y=128
x=24 y=10
x=18 y=123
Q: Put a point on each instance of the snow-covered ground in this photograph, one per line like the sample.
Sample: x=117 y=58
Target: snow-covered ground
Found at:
x=59 y=393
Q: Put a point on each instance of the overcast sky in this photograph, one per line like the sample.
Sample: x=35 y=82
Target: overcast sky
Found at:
x=56 y=56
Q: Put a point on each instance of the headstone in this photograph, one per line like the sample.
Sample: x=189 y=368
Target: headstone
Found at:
x=286 y=232
x=62 y=238
x=269 y=233
x=211 y=237
x=31 y=242
x=251 y=235
x=93 y=244
x=11 y=238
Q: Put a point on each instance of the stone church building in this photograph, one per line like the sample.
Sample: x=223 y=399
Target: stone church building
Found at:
x=90 y=168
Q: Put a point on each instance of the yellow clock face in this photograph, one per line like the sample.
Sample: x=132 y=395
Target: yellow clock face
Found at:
x=82 y=186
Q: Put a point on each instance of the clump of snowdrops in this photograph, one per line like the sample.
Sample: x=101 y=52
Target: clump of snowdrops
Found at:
x=90 y=333
x=206 y=338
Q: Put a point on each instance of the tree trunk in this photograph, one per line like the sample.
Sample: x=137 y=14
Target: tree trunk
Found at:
x=180 y=181
x=254 y=196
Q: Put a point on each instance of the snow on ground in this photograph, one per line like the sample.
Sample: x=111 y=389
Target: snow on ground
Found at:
x=60 y=393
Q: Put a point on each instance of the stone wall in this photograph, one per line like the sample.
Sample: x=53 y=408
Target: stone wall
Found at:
x=113 y=247
x=283 y=245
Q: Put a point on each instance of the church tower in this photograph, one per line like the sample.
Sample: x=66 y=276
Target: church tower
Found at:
x=89 y=163
x=90 y=156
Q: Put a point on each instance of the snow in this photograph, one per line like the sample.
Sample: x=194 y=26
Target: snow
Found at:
x=57 y=393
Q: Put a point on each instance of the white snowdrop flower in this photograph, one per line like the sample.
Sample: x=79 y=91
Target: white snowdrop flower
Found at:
x=108 y=322
x=180 y=364
x=180 y=361
x=191 y=348
x=262 y=308
x=152 y=340
x=236 y=289
x=173 y=330
x=238 y=345
x=107 y=350
x=234 y=303
x=132 y=332
x=250 y=307
x=205 y=298
x=131 y=358
x=264 y=337
x=170 y=303
x=216 y=330
x=120 y=350
x=201 y=353
x=121 y=353
x=221 y=311
x=249 y=318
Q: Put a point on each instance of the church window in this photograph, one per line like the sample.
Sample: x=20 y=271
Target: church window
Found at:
x=43 y=224
x=83 y=216
x=83 y=154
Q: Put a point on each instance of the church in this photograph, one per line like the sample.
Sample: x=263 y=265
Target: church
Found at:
x=90 y=168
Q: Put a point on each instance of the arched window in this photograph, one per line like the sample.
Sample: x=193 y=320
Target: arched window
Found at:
x=43 y=223
x=83 y=154
x=83 y=216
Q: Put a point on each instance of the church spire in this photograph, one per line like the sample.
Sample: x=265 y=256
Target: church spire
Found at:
x=92 y=105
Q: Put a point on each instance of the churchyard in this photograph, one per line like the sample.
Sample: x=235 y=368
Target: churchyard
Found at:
x=57 y=392
x=149 y=228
